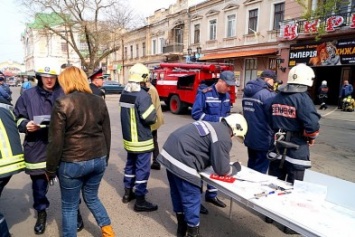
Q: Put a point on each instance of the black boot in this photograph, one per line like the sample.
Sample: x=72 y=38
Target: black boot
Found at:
x=182 y=225
x=80 y=223
x=143 y=205
x=193 y=231
x=128 y=195
x=40 y=226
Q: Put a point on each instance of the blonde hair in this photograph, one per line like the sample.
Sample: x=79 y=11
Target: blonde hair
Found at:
x=74 y=79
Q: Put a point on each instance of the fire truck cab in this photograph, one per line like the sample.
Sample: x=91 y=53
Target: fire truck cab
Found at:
x=178 y=83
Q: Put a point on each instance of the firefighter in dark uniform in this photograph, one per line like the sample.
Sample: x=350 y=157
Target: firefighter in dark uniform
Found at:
x=258 y=95
x=188 y=151
x=11 y=154
x=212 y=104
x=294 y=120
x=137 y=115
x=97 y=80
x=37 y=101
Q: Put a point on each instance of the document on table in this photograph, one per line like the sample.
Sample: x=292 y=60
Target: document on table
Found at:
x=253 y=176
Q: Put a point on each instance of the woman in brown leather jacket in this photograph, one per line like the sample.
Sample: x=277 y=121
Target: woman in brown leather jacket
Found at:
x=78 y=149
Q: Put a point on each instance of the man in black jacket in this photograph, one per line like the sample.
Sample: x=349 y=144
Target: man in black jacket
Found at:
x=97 y=80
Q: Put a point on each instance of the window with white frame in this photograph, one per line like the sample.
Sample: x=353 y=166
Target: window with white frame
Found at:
x=196 y=33
x=279 y=13
x=231 y=26
x=161 y=44
x=253 y=21
x=213 y=29
x=137 y=51
x=154 y=46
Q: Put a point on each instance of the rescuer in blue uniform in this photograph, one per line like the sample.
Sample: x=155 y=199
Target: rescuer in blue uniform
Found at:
x=11 y=154
x=295 y=120
x=188 y=151
x=37 y=101
x=258 y=95
x=137 y=115
x=212 y=104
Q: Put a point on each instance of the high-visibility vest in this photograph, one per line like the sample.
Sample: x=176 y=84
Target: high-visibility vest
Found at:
x=11 y=153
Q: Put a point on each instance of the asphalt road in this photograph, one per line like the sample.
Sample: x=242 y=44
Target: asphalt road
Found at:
x=333 y=154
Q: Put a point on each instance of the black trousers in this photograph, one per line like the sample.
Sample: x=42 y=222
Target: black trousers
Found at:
x=287 y=173
x=156 y=146
x=3 y=182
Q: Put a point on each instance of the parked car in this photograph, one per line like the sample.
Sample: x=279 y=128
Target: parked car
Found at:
x=112 y=87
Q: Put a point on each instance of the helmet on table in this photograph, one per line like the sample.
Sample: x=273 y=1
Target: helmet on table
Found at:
x=238 y=124
x=138 y=73
x=301 y=74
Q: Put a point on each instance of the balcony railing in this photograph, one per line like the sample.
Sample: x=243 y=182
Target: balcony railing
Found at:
x=173 y=48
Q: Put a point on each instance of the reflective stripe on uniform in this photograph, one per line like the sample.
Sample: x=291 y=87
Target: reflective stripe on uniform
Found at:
x=305 y=163
x=253 y=100
x=129 y=175
x=179 y=164
x=126 y=105
x=134 y=132
x=34 y=166
x=213 y=132
x=20 y=121
x=139 y=146
x=11 y=159
x=6 y=106
x=213 y=100
x=148 y=111
x=5 y=147
x=9 y=168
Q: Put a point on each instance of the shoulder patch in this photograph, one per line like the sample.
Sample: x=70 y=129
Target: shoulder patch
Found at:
x=206 y=89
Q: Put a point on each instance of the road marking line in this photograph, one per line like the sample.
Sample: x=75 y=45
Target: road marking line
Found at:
x=330 y=112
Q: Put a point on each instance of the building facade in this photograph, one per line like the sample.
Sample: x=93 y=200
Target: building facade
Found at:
x=45 y=49
x=223 y=31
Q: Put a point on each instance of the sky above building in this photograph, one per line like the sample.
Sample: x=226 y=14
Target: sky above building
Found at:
x=12 y=24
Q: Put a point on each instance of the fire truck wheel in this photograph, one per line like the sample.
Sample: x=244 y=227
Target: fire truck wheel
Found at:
x=176 y=106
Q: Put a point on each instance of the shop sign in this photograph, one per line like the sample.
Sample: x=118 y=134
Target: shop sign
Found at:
x=289 y=30
x=327 y=53
x=352 y=20
x=333 y=22
x=311 y=26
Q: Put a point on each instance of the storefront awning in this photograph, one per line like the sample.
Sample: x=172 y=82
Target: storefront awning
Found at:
x=239 y=54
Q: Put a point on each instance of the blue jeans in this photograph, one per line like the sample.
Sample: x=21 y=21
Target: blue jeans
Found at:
x=186 y=198
x=85 y=176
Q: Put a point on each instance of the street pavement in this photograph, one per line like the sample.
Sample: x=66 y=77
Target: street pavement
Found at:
x=16 y=201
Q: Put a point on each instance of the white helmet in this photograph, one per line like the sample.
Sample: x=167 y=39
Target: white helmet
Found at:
x=238 y=124
x=324 y=83
x=301 y=74
x=138 y=73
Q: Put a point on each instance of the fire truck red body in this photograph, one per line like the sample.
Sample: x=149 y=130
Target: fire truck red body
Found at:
x=178 y=83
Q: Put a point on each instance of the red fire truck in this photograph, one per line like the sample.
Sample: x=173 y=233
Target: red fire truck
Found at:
x=178 y=83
